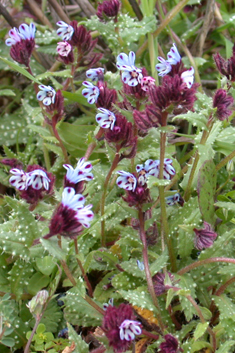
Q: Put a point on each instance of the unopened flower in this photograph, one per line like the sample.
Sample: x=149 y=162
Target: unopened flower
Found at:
x=46 y=95
x=159 y=284
x=36 y=304
x=106 y=305
x=105 y=118
x=126 y=180
x=12 y=162
x=63 y=48
x=173 y=56
x=91 y=93
x=146 y=82
x=131 y=75
x=95 y=74
x=65 y=31
x=170 y=345
x=108 y=8
x=222 y=101
x=22 y=43
x=188 y=77
x=120 y=327
x=71 y=215
x=80 y=173
x=107 y=97
x=164 y=67
x=226 y=67
x=204 y=238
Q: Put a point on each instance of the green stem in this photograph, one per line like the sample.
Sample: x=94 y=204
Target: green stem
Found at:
x=225 y=161
x=164 y=224
x=89 y=287
x=146 y=268
x=152 y=57
x=102 y=202
x=27 y=347
x=205 y=262
x=57 y=136
x=169 y=17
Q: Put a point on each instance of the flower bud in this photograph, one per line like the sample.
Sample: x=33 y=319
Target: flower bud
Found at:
x=37 y=303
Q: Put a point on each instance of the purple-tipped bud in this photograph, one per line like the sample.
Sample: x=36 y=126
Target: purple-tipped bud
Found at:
x=120 y=327
x=226 y=67
x=12 y=162
x=65 y=51
x=204 y=238
x=106 y=96
x=170 y=345
x=222 y=101
x=37 y=303
x=108 y=8
x=159 y=284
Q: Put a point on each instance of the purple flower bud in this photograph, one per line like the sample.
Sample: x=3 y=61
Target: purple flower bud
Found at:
x=63 y=48
x=170 y=345
x=108 y=8
x=159 y=284
x=106 y=97
x=226 y=67
x=204 y=238
x=222 y=101
x=147 y=82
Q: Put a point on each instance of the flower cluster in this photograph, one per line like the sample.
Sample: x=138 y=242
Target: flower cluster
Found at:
x=136 y=184
x=120 y=327
x=33 y=183
x=226 y=67
x=22 y=43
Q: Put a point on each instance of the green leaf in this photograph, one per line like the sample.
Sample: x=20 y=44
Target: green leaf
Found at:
x=64 y=73
x=52 y=317
x=46 y=264
x=7 y=92
x=41 y=328
x=158 y=264
x=139 y=297
x=199 y=345
x=126 y=281
x=200 y=330
x=8 y=341
x=196 y=119
x=51 y=245
x=206 y=188
x=20 y=69
x=78 y=311
x=20 y=274
x=37 y=282
x=225 y=347
x=80 y=345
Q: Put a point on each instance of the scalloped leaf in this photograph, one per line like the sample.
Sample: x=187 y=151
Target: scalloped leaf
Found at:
x=19 y=277
x=80 y=345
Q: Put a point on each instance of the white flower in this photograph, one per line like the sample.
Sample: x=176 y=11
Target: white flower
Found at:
x=63 y=48
x=85 y=216
x=46 y=95
x=168 y=169
x=76 y=202
x=25 y=32
x=164 y=67
x=129 y=329
x=91 y=93
x=150 y=167
x=126 y=181
x=38 y=179
x=65 y=31
x=95 y=74
x=131 y=75
x=173 y=199
x=72 y=200
x=19 y=179
x=81 y=172
x=106 y=118
x=188 y=77
x=173 y=57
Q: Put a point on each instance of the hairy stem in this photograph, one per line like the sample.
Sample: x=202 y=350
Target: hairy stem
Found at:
x=204 y=262
x=27 y=347
x=225 y=161
x=89 y=287
x=57 y=136
x=224 y=286
x=146 y=267
x=102 y=201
